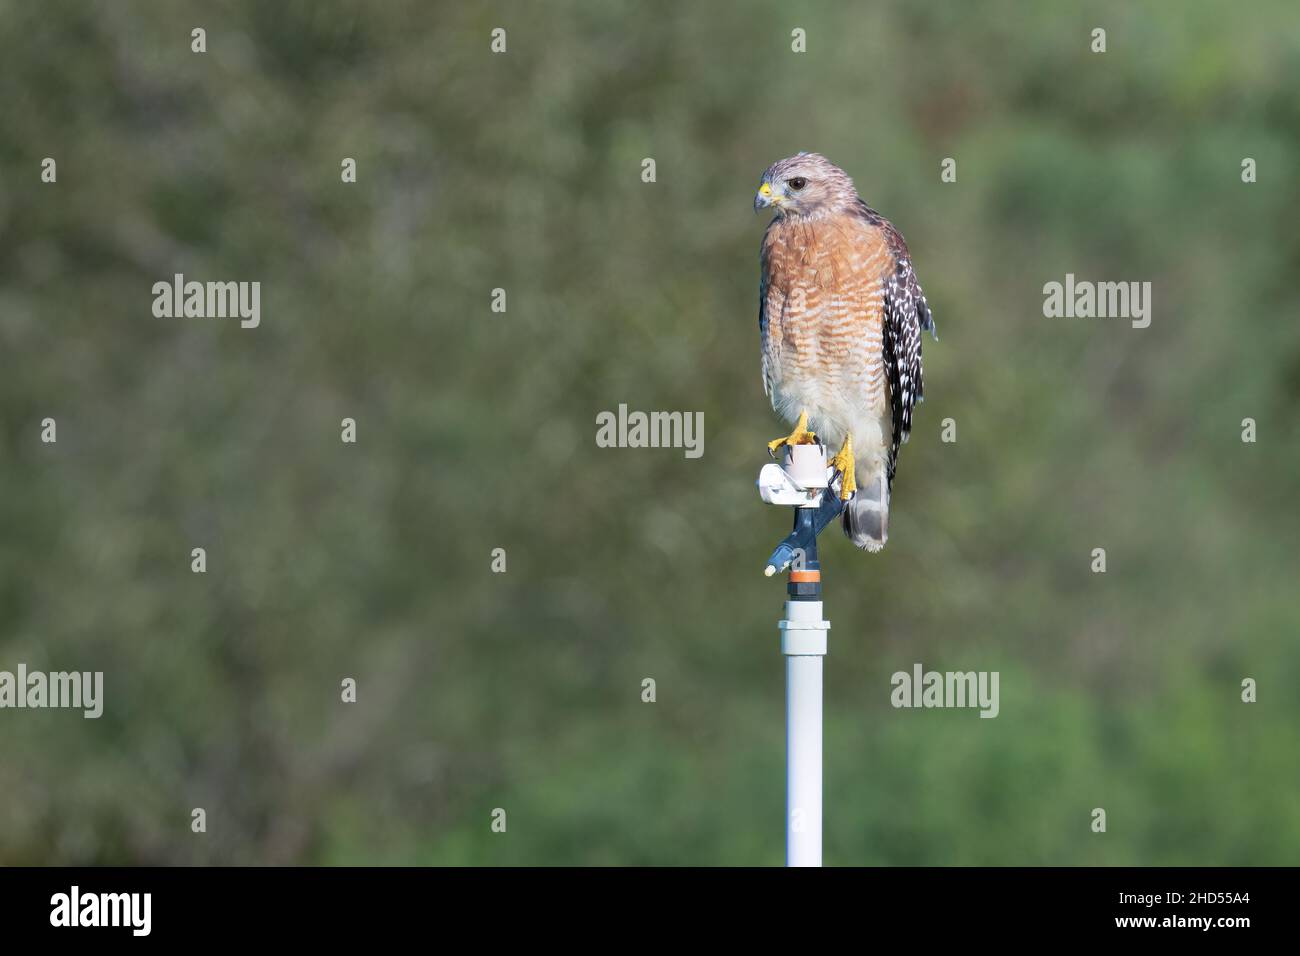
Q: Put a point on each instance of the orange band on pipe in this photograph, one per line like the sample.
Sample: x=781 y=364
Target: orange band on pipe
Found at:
x=805 y=577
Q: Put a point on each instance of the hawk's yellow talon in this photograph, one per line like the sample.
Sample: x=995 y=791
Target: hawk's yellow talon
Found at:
x=843 y=463
x=800 y=436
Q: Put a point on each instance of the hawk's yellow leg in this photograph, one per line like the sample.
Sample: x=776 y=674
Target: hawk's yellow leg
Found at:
x=843 y=463
x=800 y=436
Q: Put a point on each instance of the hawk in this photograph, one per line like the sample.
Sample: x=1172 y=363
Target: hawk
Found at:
x=840 y=314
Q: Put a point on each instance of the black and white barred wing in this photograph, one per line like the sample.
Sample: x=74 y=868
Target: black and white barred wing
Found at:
x=906 y=315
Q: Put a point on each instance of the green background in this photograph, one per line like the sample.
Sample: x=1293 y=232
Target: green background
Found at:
x=476 y=431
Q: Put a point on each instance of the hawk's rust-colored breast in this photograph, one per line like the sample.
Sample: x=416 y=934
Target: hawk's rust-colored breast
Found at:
x=825 y=290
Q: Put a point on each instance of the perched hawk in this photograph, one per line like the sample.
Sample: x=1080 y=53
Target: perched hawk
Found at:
x=841 y=314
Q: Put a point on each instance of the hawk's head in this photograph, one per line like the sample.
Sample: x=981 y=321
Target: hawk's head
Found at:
x=805 y=185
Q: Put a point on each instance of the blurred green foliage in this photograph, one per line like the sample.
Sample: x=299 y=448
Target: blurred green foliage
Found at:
x=522 y=690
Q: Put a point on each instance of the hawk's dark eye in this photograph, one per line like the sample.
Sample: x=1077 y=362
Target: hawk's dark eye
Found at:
x=797 y=183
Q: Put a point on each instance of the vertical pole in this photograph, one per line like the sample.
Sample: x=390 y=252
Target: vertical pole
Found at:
x=803 y=642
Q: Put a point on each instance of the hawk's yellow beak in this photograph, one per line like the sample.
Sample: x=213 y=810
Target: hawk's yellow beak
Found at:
x=766 y=197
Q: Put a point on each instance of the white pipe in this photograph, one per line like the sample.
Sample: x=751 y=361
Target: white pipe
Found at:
x=803 y=642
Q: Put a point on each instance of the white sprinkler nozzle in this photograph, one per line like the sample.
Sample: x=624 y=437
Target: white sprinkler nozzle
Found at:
x=799 y=481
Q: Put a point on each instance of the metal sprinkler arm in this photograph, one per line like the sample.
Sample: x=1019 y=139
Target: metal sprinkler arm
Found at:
x=808 y=523
x=803 y=481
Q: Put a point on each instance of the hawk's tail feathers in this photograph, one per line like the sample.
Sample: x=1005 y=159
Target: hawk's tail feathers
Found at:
x=866 y=515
